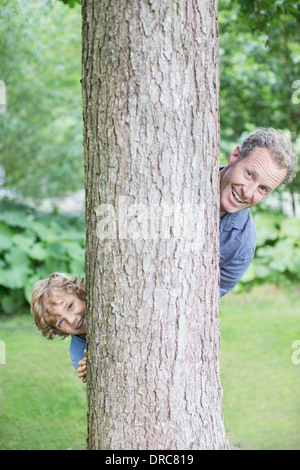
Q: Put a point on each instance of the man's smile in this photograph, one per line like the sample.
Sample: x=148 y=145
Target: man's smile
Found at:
x=237 y=197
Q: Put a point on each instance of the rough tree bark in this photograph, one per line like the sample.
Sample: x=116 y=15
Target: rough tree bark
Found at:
x=151 y=142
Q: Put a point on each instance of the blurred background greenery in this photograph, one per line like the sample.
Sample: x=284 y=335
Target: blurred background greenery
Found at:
x=42 y=221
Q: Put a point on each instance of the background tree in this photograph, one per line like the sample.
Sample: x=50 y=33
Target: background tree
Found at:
x=259 y=71
x=150 y=100
x=41 y=131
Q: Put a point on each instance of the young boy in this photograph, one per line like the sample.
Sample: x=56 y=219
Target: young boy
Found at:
x=58 y=308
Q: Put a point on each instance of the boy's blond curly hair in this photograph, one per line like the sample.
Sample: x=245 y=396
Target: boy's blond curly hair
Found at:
x=44 y=294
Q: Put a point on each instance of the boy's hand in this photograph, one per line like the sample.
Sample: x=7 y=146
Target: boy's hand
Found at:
x=81 y=371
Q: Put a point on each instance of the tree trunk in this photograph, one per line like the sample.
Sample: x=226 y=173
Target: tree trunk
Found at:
x=151 y=143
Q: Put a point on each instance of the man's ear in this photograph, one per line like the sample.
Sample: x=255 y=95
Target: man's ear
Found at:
x=234 y=155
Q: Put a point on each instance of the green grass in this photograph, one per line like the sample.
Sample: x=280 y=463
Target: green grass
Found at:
x=260 y=383
x=43 y=403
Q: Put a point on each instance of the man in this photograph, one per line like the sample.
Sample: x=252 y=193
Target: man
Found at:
x=263 y=162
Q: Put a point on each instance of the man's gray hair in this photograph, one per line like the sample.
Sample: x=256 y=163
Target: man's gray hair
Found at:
x=279 y=146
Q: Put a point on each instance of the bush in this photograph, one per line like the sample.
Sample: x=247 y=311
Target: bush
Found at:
x=35 y=244
x=32 y=246
x=277 y=256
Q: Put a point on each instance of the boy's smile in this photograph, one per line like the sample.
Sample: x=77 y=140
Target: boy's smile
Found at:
x=70 y=312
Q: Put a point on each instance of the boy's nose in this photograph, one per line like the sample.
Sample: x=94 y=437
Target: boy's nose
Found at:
x=70 y=319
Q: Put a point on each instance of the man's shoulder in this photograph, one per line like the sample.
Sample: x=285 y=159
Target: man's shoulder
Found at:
x=250 y=228
x=241 y=220
x=237 y=235
x=246 y=220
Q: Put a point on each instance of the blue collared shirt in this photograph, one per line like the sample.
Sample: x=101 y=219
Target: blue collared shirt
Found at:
x=237 y=247
x=77 y=347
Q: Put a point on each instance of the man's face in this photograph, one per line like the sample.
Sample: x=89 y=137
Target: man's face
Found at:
x=247 y=182
x=70 y=313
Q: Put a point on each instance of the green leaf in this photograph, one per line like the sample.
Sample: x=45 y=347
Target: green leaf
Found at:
x=43 y=231
x=77 y=267
x=75 y=250
x=262 y=271
x=12 y=302
x=249 y=274
x=294 y=264
x=15 y=218
x=38 y=252
x=57 y=250
x=6 y=235
x=283 y=254
x=29 y=285
x=290 y=228
x=71 y=3
x=16 y=257
x=15 y=274
x=24 y=240
x=267 y=228
x=55 y=265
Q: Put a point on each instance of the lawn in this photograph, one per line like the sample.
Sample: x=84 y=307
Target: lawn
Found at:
x=261 y=384
x=43 y=404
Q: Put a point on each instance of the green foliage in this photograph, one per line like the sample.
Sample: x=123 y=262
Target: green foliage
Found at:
x=71 y=3
x=258 y=71
x=41 y=153
x=32 y=246
x=277 y=257
x=263 y=14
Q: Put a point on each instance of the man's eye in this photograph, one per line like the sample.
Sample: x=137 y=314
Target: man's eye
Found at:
x=264 y=189
x=249 y=173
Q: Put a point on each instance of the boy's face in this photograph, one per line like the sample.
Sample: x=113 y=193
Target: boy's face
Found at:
x=70 y=312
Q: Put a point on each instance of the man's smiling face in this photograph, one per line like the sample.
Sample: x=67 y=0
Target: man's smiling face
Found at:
x=247 y=182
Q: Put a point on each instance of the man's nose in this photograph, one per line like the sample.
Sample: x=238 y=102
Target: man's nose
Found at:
x=248 y=192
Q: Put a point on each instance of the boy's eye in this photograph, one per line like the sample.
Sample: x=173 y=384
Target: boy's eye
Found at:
x=60 y=323
x=70 y=306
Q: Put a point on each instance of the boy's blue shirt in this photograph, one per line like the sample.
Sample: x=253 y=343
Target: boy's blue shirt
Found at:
x=237 y=248
x=77 y=347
